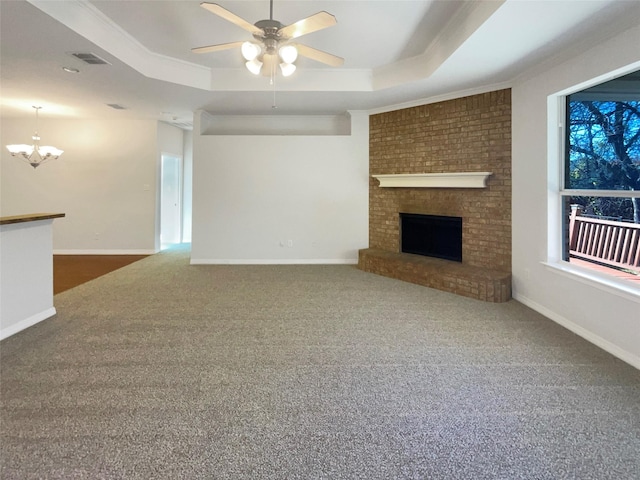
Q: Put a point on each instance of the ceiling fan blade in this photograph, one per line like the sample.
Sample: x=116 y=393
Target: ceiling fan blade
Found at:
x=319 y=55
x=216 y=48
x=230 y=17
x=310 y=24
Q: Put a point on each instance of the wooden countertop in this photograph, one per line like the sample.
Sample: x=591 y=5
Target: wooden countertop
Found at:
x=31 y=217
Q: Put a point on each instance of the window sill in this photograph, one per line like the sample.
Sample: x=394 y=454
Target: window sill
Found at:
x=622 y=288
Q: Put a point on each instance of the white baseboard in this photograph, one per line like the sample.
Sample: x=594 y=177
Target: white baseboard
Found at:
x=278 y=261
x=26 y=323
x=105 y=252
x=589 y=336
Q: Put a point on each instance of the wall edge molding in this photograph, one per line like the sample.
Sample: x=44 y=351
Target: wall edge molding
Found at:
x=105 y=252
x=27 y=322
x=588 y=335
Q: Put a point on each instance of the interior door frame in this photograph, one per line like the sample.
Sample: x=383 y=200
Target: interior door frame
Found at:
x=180 y=160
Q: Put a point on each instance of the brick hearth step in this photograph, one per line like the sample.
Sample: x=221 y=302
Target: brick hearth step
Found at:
x=469 y=281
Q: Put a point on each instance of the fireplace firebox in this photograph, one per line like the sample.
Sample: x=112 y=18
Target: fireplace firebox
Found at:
x=431 y=235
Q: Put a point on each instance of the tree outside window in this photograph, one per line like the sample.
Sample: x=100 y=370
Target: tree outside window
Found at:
x=602 y=174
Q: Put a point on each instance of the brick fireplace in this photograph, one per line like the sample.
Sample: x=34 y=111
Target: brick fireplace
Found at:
x=469 y=134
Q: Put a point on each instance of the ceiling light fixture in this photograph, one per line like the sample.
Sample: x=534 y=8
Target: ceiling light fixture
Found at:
x=35 y=154
x=252 y=53
x=250 y=50
x=288 y=53
x=271 y=40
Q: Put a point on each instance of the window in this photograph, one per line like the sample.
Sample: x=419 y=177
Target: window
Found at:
x=601 y=183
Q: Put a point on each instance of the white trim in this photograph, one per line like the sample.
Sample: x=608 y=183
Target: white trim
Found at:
x=277 y=261
x=435 y=180
x=606 y=345
x=601 y=281
x=27 y=322
x=600 y=193
x=605 y=77
x=555 y=174
x=105 y=252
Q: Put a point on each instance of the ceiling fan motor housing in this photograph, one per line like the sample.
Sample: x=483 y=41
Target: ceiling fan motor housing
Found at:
x=270 y=38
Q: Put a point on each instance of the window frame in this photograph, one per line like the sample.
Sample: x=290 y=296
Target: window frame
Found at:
x=557 y=168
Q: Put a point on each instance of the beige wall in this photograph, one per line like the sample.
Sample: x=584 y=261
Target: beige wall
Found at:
x=105 y=182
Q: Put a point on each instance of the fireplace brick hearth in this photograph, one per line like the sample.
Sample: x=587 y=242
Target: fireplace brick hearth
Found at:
x=475 y=282
x=469 y=134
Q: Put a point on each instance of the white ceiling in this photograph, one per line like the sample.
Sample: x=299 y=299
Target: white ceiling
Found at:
x=396 y=53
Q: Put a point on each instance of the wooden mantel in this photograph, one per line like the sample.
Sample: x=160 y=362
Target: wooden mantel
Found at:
x=435 y=180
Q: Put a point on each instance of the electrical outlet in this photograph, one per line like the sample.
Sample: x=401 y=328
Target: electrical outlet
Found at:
x=289 y=243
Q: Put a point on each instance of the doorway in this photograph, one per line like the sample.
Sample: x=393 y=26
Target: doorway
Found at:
x=170 y=201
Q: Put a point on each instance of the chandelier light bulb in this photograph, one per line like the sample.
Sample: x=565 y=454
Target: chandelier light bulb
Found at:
x=288 y=54
x=49 y=151
x=254 y=66
x=287 y=69
x=20 y=149
x=250 y=51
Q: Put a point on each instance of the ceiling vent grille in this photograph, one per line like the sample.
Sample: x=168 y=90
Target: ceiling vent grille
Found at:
x=115 y=106
x=91 y=58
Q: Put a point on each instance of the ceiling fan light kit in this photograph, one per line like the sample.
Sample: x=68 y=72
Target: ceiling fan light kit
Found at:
x=273 y=41
x=254 y=66
x=287 y=69
x=250 y=50
x=251 y=53
x=288 y=53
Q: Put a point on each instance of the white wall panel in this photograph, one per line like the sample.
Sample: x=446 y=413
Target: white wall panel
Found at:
x=280 y=198
x=608 y=319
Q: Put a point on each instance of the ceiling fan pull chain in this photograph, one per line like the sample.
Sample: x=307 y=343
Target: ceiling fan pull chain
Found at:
x=273 y=82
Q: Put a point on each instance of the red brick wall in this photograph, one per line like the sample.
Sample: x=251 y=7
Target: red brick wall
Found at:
x=469 y=134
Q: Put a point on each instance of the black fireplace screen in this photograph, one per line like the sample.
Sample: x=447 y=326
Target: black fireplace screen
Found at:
x=431 y=236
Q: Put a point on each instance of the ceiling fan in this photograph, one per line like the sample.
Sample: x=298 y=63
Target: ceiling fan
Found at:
x=273 y=41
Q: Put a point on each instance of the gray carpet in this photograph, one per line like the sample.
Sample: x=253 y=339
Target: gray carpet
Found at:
x=170 y=371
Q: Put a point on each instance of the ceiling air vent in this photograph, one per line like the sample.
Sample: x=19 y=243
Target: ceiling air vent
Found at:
x=90 y=58
x=115 y=106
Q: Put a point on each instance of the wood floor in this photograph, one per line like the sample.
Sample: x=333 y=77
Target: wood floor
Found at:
x=72 y=270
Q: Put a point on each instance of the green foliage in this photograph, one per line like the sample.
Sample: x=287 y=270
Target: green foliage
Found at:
x=604 y=154
x=615 y=208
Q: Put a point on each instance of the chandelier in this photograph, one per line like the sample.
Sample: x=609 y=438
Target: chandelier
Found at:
x=35 y=154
